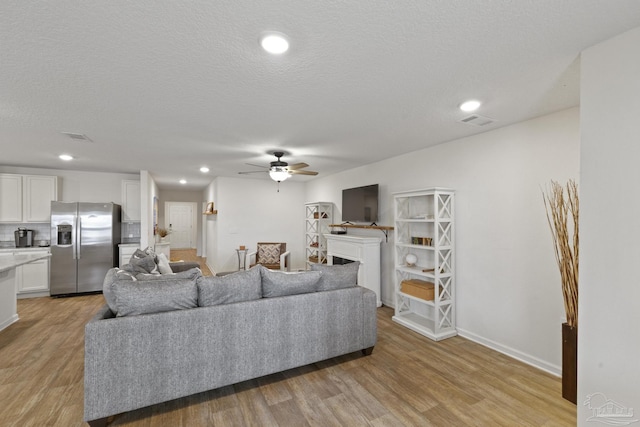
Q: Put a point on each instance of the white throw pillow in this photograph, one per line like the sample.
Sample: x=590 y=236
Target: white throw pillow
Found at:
x=163 y=264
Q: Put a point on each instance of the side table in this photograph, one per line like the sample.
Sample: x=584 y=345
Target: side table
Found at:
x=242 y=254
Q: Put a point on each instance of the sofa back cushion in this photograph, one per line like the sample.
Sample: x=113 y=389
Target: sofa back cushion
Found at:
x=154 y=296
x=337 y=276
x=234 y=287
x=280 y=283
x=115 y=275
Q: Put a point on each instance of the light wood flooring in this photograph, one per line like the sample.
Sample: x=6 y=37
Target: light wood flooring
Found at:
x=407 y=381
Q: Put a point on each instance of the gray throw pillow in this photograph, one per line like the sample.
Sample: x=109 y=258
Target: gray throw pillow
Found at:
x=234 y=287
x=141 y=262
x=337 y=276
x=279 y=283
x=157 y=296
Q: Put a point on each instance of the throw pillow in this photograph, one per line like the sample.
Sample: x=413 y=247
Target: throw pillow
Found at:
x=163 y=264
x=337 y=276
x=280 y=283
x=141 y=262
x=269 y=253
x=234 y=287
x=135 y=298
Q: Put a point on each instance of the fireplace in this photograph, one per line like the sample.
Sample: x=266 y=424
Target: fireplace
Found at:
x=343 y=249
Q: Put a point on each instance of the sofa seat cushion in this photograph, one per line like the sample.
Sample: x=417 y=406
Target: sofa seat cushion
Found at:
x=280 y=283
x=235 y=287
x=337 y=276
x=154 y=296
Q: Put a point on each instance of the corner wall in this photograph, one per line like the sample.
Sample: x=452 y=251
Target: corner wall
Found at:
x=508 y=285
x=608 y=305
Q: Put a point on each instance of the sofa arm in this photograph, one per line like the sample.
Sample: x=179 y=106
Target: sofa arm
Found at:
x=179 y=266
x=250 y=259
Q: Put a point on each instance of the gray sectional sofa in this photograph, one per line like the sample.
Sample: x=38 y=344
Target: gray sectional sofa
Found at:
x=176 y=335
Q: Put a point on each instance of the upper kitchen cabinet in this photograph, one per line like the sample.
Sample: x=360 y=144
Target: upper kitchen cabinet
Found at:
x=130 y=200
x=27 y=198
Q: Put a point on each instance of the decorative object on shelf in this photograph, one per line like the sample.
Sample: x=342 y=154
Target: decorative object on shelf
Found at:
x=418 y=288
x=424 y=241
x=210 y=210
x=563 y=215
x=411 y=260
x=163 y=233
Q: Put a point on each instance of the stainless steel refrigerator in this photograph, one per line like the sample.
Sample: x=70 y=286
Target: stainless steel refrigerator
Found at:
x=84 y=245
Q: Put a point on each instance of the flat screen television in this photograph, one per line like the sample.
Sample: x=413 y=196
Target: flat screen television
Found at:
x=360 y=204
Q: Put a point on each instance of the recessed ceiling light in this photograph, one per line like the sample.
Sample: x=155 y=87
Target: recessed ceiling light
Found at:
x=275 y=43
x=204 y=169
x=183 y=181
x=469 y=106
x=65 y=157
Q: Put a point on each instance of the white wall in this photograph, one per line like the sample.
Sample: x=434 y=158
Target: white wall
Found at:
x=609 y=300
x=251 y=211
x=148 y=191
x=508 y=285
x=79 y=186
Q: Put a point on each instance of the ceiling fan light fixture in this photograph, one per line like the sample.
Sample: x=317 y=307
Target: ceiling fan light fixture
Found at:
x=279 y=174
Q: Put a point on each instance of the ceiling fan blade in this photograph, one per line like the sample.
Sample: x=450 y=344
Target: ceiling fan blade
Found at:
x=257 y=166
x=247 y=173
x=297 y=166
x=297 y=172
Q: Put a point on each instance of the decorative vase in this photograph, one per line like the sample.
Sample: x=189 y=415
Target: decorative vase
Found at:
x=569 y=362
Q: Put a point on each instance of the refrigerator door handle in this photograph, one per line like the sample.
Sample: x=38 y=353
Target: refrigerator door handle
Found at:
x=79 y=242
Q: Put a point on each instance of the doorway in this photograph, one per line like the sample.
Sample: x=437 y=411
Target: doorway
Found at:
x=180 y=218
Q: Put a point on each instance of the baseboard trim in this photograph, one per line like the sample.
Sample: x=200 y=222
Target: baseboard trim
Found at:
x=555 y=370
x=10 y=321
x=210 y=268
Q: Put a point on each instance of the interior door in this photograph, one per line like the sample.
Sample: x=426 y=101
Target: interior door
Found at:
x=180 y=220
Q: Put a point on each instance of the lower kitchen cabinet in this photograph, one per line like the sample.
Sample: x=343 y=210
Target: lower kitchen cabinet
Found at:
x=32 y=280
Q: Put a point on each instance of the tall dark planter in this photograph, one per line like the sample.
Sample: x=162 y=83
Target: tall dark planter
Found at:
x=569 y=362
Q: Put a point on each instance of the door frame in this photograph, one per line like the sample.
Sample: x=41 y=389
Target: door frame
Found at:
x=194 y=220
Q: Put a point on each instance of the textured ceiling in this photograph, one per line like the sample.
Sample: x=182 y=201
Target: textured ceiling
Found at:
x=169 y=86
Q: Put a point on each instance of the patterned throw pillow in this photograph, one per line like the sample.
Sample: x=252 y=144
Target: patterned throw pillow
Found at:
x=269 y=254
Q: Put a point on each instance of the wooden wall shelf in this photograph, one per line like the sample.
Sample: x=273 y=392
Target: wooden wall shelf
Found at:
x=384 y=228
x=210 y=213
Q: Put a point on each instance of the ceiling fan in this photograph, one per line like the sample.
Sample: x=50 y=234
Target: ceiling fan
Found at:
x=279 y=170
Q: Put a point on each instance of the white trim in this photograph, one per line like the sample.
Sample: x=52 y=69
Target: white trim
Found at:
x=10 y=321
x=211 y=269
x=513 y=353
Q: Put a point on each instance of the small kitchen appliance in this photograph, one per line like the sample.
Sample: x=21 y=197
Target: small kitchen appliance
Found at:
x=24 y=237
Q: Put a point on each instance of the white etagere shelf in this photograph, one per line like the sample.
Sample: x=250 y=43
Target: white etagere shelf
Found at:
x=318 y=217
x=424 y=224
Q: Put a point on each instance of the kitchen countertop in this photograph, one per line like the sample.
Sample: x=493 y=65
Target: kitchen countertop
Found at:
x=10 y=262
x=5 y=249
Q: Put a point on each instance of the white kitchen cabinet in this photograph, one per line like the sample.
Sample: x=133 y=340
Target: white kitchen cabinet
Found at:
x=32 y=280
x=130 y=200
x=27 y=198
x=10 y=198
x=39 y=192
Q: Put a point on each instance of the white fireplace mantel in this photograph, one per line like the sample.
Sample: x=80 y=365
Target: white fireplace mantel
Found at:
x=358 y=248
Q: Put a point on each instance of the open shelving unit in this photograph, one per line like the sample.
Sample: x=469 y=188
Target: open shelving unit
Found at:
x=318 y=217
x=424 y=227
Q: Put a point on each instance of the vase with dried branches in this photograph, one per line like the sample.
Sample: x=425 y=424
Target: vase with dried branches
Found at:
x=563 y=210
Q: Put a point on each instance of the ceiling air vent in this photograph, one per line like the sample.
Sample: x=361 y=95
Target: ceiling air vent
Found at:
x=477 y=120
x=77 y=136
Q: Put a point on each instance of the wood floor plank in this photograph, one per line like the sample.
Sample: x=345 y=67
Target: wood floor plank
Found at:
x=409 y=380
